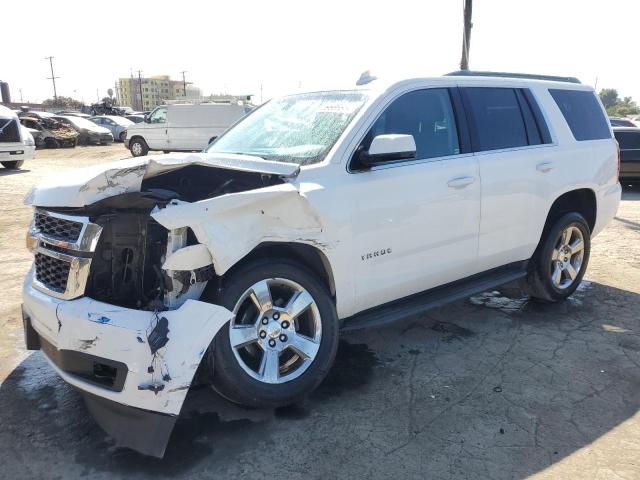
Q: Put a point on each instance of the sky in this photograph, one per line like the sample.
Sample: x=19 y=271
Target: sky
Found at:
x=274 y=48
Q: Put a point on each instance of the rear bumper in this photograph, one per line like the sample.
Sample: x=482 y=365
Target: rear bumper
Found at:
x=132 y=365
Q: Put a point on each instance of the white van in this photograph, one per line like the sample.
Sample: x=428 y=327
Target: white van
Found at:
x=182 y=127
x=16 y=143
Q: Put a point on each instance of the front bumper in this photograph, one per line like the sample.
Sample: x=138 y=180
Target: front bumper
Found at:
x=126 y=142
x=130 y=364
x=17 y=153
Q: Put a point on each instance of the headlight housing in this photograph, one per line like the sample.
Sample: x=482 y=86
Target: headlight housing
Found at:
x=29 y=142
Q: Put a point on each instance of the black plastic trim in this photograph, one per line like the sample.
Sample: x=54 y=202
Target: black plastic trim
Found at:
x=462 y=123
x=31 y=337
x=144 y=431
x=537 y=114
x=436 y=297
x=112 y=374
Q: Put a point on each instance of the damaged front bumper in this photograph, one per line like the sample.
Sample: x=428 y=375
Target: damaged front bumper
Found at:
x=133 y=367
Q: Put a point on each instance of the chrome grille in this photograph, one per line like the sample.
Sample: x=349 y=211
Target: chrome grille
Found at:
x=63 y=245
x=52 y=272
x=57 y=228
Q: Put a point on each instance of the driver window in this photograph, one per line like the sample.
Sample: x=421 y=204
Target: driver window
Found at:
x=425 y=114
x=159 y=115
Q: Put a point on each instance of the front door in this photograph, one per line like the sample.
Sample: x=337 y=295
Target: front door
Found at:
x=415 y=222
x=156 y=130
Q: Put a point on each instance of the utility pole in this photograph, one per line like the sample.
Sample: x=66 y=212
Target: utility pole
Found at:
x=466 y=35
x=184 y=83
x=53 y=79
x=20 y=95
x=140 y=88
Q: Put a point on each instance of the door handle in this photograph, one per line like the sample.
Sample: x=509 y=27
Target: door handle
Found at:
x=544 y=167
x=460 y=182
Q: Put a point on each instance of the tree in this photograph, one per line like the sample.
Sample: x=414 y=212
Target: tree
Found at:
x=615 y=106
x=609 y=97
x=64 y=103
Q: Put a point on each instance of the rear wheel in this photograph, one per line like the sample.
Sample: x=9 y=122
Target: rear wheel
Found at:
x=138 y=147
x=561 y=260
x=15 y=165
x=282 y=340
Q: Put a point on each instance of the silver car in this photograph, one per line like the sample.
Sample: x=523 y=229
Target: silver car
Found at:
x=117 y=125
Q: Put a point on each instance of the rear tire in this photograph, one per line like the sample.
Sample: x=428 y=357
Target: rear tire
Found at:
x=138 y=147
x=304 y=338
x=560 y=262
x=15 y=165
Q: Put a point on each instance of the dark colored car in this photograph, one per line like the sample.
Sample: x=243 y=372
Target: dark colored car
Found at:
x=629 y=140
x=621 y=122
x=135 y=118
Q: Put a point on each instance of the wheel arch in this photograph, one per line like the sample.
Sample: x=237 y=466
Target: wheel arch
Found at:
x=581 y=200
x=308 y=255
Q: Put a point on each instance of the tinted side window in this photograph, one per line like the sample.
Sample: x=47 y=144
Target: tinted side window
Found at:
x=628 y=140
x=425 y=114
x=583 y=114
x=496 y=117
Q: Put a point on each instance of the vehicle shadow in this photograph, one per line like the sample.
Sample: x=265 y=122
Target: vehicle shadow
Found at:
x=5 y=172
x=496 y=386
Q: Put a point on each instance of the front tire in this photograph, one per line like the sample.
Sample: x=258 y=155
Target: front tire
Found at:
x=561 y=260
x=122 y=136
x=15 y=165
x=283 y=338
x=138 y=147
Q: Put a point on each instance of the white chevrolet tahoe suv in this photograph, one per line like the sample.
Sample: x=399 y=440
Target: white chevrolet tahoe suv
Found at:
x=317 y=212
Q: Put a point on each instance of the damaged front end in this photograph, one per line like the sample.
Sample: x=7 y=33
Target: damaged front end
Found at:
x=122 y=257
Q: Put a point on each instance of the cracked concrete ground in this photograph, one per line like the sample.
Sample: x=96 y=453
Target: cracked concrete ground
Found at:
x=492 y=387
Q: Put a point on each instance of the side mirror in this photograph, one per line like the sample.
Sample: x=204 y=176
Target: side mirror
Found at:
x=146 y=119
x=385 y=148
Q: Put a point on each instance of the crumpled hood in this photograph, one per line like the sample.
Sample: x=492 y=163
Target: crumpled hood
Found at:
x=85 y=186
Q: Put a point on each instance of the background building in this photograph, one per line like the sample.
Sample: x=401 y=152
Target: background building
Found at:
x=155 y=90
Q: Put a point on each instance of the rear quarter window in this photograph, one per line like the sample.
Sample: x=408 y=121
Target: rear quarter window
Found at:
x=583 y=114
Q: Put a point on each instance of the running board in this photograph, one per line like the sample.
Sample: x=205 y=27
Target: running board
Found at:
x=435 y=297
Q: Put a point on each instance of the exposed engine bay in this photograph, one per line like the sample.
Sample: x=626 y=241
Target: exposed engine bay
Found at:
x=126 y=265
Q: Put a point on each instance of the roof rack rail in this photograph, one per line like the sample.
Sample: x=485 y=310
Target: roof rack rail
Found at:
x=472 y=73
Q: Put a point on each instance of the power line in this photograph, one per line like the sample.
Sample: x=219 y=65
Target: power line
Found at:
x=52 y=78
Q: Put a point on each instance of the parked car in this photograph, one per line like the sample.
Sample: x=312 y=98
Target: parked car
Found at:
x=53 y=134
x=67 y=113
x=135 y=118
x=317 y=212
x=629 y=143
x=88 y=132
x=183 y=127
x=116 y=124
x=16 y=143
x=38 y=115
x=622 y=122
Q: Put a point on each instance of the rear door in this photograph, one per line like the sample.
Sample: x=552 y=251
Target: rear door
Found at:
x=513 y=146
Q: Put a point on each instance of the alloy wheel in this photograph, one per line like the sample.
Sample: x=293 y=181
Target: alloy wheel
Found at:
x=276 y=330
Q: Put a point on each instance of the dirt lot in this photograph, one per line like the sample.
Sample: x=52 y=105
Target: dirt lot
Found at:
x=491 y=387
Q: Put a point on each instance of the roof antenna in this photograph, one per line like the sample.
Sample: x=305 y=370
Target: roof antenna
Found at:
x=365 y=78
